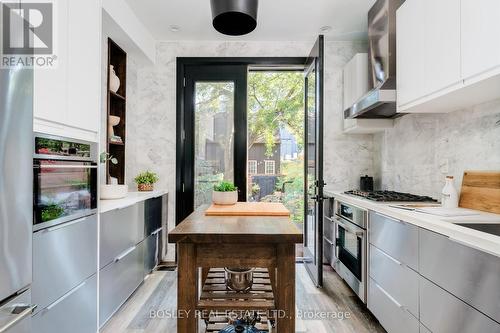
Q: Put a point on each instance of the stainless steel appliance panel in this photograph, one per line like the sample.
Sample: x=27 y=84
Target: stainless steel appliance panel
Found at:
x=119 y=279
x=328 y=251
x=329 y=228
x=442 y=312
x=20 y=321
x=391 y=315
x=121 y=229
x=396 y=238
x=74 y=312
x=63 y=257
x=469 y=274
x=396 y=278
x=152 y=250
x=16 y=179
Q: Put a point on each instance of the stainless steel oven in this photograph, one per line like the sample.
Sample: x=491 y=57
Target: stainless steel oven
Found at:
x=65 y=180
x=350 y=246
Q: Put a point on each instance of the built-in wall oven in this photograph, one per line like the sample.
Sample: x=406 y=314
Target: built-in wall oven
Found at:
x=350 y=246
x=65 y=180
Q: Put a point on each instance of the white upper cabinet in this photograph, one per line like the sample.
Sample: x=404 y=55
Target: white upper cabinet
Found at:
x=67 y=98
x=480 y=36
x=448 y=54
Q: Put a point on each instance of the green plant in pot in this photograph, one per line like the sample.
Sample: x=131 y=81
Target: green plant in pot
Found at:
x=225 y=193
x=146 y=180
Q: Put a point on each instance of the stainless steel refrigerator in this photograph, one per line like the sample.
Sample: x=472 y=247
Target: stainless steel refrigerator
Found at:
x=16 y=198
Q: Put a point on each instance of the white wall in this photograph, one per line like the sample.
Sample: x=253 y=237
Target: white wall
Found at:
x=151 y=135
x=409 y=156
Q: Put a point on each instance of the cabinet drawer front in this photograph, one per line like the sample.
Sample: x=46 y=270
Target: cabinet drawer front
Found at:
x=328 y=251
x=153 y=210
x=120 y=230
x=393 y=317
x=396 y=238
x=118 y=281
x=442 y=312
x=469 y=274
x=396 y=278
x=75 y=312
x=63 y=257
x=329 y=229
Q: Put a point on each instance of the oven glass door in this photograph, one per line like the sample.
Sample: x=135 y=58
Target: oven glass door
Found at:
x=350 y=250
x=63 y=191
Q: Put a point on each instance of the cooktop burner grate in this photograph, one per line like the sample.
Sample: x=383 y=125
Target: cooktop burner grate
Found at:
x=390 y=196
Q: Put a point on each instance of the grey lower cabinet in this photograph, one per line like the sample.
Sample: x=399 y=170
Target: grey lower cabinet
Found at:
x=119 y=279
x=421 y=281
x=74 y=312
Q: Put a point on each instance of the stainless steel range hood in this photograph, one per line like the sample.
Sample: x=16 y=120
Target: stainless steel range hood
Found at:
x=380 y=102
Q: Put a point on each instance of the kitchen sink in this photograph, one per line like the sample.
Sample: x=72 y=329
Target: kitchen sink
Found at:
x=490 y=228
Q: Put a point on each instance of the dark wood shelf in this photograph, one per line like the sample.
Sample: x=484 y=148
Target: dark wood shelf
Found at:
x=117 y=106
x=117 y=95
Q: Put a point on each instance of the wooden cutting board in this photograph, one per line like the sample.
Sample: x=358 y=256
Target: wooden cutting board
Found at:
x=248 y=209
x=481 y=191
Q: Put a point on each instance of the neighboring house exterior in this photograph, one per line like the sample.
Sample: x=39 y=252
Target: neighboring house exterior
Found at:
x=261 y=164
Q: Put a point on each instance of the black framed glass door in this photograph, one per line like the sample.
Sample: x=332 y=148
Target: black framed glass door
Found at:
x=213 y=133
x=313 y=179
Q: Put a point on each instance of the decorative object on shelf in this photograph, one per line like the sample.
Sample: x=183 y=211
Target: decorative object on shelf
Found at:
x=243 y=325
x=225 y=193
x=105 y=157
x=449 y=195
x=146 y=180
x=112 y=122
x=239 y=279
x=114 y=80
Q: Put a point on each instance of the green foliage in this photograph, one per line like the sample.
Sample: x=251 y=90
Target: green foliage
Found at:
x=104 y=157
x=224 y=186
x=275 y=100
x=51 y=212
x=147 y=177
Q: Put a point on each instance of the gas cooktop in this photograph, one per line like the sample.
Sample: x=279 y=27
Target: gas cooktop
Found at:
x=390 y=196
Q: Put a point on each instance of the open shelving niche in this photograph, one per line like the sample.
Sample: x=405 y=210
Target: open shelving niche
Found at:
x=116 y=106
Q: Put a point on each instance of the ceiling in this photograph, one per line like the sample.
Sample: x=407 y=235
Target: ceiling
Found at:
x=278 y=20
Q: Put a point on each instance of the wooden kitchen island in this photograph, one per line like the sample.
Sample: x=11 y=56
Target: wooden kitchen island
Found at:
x=205 y=242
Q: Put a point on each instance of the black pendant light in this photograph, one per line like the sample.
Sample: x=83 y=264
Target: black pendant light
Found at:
x=234 y=17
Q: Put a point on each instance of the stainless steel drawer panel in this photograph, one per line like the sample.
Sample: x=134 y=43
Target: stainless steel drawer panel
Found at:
x=63 y=257
x=424 y=329
x=75 y=312
x=394 y=277
x=469 y=274
x=394 y=237
x=120 y=230
x=328 y=251
x=16 y=322
x=442 y=312
x=118 y=280
x=391 y=315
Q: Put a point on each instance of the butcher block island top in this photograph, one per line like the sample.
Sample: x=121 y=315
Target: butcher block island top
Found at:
x=248 y=209
x=211 y=243
x=201 y=228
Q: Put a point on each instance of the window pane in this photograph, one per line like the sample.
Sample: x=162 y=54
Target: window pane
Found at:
x=214 y=132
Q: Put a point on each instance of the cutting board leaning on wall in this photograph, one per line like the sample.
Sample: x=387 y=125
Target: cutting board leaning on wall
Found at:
x=481 y=191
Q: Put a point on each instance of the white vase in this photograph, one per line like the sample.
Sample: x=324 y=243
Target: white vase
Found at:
x=225 y=198
x=114 y=80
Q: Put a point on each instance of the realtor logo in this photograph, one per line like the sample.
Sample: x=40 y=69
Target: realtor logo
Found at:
x=28 y=34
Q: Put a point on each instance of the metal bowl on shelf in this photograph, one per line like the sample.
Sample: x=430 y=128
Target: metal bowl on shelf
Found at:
x=239 y=279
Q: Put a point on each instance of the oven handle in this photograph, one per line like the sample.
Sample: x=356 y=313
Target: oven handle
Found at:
x=62 y=166
x=350 y=229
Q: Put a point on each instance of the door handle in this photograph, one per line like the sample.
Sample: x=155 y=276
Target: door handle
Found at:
x=28 y=309
x=124 y=254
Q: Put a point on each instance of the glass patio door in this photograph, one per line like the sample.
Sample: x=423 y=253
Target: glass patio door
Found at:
x=214 y=133
x=313 y=181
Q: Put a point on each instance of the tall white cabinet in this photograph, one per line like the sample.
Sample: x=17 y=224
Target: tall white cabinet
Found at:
x=67 y=98
x=448 y=54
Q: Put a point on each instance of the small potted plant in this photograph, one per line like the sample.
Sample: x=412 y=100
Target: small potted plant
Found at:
x=146 y=180
x=225 y=193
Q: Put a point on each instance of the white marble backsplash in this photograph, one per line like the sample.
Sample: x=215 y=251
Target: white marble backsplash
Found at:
x=410 y=156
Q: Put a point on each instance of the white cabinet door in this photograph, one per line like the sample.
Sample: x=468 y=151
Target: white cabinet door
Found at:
x=84 y=64
x=410 y=51
x=442 y=44
x=480 y=36
x=50 y=102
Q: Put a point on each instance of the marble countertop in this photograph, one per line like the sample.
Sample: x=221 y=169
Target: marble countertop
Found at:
x=131 y=199
x=440 y=224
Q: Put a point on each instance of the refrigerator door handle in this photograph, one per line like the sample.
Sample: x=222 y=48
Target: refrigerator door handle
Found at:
x=28 y=309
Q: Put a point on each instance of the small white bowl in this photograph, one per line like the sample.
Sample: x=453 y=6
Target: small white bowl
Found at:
x=110 y=192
